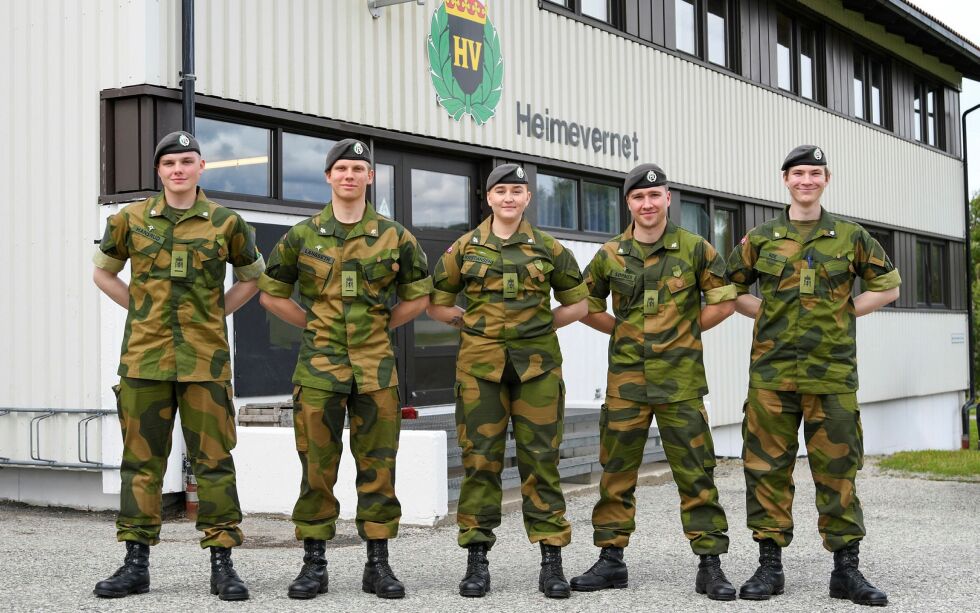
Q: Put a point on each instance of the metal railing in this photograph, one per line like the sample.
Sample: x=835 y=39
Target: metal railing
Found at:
x=34 y=434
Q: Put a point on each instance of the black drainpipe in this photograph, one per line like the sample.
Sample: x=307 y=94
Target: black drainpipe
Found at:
x=971 y=396
x=187 y=76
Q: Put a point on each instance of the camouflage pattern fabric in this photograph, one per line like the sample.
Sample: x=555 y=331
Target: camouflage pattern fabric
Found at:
x=347 y=282
x=833 y=435
x=624 y=426
x=147 y=410
x=318 y=422
x=655 y=349
x=537 y=409
x=513 y=322
x=175 y=329
x=804 y=341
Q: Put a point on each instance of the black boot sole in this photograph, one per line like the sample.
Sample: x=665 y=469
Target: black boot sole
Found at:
x=616 y=585
x=307 y=595
x=111 y=594
x=775 y=592
x=555 y=595
x=369 y=589
x=474 y=593
x=229 y=597
x=867 y=603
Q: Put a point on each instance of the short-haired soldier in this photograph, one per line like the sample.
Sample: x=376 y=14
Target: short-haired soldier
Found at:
x=804 y=369
x=657 y=274
x=349 y=263
x=175 y=358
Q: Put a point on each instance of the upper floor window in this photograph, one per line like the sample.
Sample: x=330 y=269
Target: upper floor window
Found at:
x=797 y=59
x=870 y=93
x=925 y=106
x=608 y=11
x=705 y=28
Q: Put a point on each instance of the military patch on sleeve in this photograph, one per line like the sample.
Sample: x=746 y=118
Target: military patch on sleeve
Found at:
x=473 y=257
x=313 y=253
x=156 y=238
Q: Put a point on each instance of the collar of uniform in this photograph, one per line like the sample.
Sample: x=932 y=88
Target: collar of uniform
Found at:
x=201 y=207
x=826 y=226
x=628 y=245
x=524 y=235
x=367 y=226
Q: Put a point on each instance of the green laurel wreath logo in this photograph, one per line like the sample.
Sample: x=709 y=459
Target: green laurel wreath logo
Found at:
x=481 y=104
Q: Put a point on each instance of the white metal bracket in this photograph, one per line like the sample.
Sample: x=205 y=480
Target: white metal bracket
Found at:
x=375 y=6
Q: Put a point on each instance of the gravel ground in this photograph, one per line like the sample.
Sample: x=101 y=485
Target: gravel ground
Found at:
x=922 y=549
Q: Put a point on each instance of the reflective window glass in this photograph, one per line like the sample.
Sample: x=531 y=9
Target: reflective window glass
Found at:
x=686 y=23
x=808 y=54
x=236 y=157
x=694 y=217
x=384 y=190
x=601 y=207
x=440 y=201
x=784 y=44
x=859 y=87
x=717 y=49
x=877 y=86
x=723 y=237
x=596 y=8
x=917 y=111
x=931 y=117
x=936 y=261
x=557 y=199
x=302 y=167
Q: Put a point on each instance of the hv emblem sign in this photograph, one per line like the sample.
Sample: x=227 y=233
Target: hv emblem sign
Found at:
x=464 y=60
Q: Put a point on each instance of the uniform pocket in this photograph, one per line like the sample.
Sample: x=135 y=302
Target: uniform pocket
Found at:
x=314 y=273
x=232 y=431
x=681 y=283
x=210 y=260
x=838 y=277
x=709 y=445
x=117 y=391
x=771 y=263
x=143 y=252
x=538 y=274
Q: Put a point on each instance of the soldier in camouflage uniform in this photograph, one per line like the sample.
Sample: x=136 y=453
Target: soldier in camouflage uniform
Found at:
x=349 y=263
x=804 y=368
x=657 y=274
x=175 y=358
x=509 y=370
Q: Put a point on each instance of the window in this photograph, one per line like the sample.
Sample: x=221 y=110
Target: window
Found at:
x=302 y=168
x=796 y=57
x=713 y=219
x=869 y=89
x=609 y=11
x=440 y=200
x=930 y=273
x=558 y=200
x=236 y=157
x=705 y=28
x=925 y=104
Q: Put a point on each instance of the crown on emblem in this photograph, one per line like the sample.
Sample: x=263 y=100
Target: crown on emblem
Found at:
x=183 y=140
x=651 y=176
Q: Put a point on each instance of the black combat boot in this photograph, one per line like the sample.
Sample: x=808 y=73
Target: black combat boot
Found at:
x=312 y=579
x=476 y=583
x=378 y=577
x=609 y=571
x=133 y=577
x=711 y=580
x=768 y=579
x=551 y=579
x=846 y=581
x=225 y=582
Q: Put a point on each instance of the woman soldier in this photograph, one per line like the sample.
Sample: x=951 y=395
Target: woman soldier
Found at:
x=509 y=369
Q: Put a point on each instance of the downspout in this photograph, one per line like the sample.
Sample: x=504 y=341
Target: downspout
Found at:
x=971 y=395
x=187 y=76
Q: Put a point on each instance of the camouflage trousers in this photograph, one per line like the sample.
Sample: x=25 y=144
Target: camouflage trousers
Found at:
x=147 y=410
x=624 y=426
x=318 y=422
x=835 y=450
x=483 y=410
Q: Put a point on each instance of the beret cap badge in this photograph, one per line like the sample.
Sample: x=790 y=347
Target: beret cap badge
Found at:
x=183 y=140
x=520 y=172
x=358 y=149
x=817 y=153
x=651 y=176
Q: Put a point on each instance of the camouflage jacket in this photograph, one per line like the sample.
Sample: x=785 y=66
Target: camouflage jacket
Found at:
x=655 y=351
x=347 y=282
x=175 y=329
x=507 y=284
x=802 y=341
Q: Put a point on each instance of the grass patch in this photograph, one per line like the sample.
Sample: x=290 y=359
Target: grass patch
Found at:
x=952 y=464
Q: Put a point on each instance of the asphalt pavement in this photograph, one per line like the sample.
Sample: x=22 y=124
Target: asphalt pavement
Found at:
x=922 y=548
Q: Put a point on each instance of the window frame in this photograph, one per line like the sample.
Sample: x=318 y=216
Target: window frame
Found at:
x=868 y=59
x=578 y=233
x=921 y=88
x=732 y=49
x=615 y=9
x=943 y=264
x=797 y=27
x=711 y=204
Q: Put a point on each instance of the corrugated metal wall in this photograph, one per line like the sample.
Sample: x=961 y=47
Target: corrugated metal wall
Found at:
x=708 y=129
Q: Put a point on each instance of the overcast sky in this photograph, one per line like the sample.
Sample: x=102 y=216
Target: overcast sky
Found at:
x=963 y=16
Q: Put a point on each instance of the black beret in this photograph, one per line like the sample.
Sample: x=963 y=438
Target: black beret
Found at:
x=506 y=173
x=347 y=149
x=175 y=142
x=805 y=155
x=643 y=176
